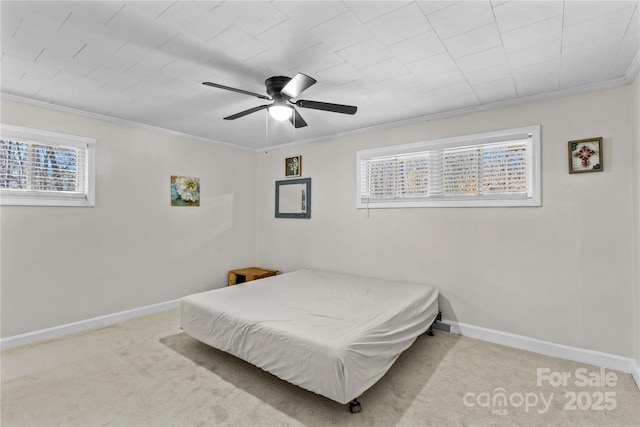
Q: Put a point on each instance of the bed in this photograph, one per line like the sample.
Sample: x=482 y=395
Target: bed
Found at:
x=330 y=333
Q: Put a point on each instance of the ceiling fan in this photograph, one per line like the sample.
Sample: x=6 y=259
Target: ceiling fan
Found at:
x=281 y=91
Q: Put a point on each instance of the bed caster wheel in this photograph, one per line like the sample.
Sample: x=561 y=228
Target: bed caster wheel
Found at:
x=354 y=406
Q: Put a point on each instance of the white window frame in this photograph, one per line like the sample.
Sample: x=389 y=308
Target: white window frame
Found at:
x=11 y=197
x=532 y=198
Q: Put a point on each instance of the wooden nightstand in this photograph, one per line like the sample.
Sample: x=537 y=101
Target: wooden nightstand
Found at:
x=249 y=274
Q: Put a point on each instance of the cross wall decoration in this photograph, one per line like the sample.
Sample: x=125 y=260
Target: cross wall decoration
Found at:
x=585 y=155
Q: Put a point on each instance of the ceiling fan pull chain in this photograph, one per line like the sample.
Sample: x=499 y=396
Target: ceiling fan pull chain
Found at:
x=266 y=132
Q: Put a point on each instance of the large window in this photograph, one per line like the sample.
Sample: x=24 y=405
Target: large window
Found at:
x=489 y=169
x=45 y=168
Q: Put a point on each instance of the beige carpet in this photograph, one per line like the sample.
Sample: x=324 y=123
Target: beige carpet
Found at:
x=146 y=372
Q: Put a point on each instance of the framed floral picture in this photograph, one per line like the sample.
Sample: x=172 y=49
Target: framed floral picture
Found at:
x=585 y=155
x=185 y=191
x=293 y=166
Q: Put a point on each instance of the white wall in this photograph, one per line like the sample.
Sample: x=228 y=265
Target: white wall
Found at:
x=636 y=187
x=572 y=281
x=61 y=265
x=561 y=272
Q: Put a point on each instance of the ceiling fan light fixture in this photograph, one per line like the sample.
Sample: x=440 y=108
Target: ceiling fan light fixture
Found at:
x=280 y=112
x=281 y=91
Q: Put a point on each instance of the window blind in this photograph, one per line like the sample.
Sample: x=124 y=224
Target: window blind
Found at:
x=30 y=166
x=45 y=168
x=499 y=168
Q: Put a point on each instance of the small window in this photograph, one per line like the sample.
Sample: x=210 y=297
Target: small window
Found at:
x=45 y=168
x=489 y=169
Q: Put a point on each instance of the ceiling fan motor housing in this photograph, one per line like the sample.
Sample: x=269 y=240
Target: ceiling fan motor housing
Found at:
x=274 y=87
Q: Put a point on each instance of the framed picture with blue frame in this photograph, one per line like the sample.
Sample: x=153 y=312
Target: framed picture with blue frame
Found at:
x=293 y=198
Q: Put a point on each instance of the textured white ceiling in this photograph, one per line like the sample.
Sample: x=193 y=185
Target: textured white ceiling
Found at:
x=144 y=61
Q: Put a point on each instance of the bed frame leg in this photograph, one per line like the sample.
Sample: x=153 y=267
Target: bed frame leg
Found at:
x=355 y=407
x=430 y=330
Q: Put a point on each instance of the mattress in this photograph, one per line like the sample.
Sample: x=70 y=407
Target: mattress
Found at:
x=330 y=333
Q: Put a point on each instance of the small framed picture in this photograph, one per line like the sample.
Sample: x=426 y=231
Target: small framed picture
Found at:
x=293 y=166
x=585 y=155
x=185 y=190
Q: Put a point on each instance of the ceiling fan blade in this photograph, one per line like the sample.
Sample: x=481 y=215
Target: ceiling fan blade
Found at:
x=325 y=106
x=233 y=89
x=296 y=120
x=299 y=83
x=245 y=112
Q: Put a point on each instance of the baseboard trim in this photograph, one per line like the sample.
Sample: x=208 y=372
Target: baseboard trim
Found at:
x=590 y=357
x=636 y=373
x=84 y=325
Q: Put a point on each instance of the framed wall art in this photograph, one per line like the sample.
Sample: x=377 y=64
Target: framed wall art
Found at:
x=585 y=155
x=293 y=198
x=293 y=166
x=185 y=191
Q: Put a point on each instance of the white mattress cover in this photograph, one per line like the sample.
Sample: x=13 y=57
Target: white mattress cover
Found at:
x=330 y=333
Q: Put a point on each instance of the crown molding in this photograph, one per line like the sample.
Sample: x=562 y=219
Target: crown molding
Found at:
x=609 y=84
x=632 y=71
x=42 y=104
x=628 y=78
